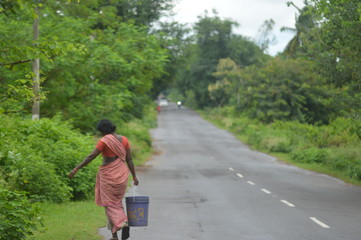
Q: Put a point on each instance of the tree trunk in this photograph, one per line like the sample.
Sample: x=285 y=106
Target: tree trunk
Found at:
x=36 y=71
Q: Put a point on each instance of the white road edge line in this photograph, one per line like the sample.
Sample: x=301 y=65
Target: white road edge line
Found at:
x=231 y=169
x=250 y=182
x=265 y=191
x=239 y=175
x=288 y=203
x=319 y=222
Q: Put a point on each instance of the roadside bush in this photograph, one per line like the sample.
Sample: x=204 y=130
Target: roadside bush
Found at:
x=36 y=157
x=347 y=160
x=18 y=217
x=354 y=170
x=37 y=178
x=311 y=155
x=139 y=138
x=281 y=146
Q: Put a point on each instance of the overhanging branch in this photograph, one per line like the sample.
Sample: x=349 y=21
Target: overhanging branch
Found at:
x=14 y=63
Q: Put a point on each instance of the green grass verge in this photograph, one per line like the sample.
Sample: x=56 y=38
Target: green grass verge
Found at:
x=71 y=221
x=323 y=169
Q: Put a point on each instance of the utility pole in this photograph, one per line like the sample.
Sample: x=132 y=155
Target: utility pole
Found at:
x=36 y=71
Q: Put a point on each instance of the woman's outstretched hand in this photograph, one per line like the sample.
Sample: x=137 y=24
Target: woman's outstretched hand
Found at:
x=72 y=173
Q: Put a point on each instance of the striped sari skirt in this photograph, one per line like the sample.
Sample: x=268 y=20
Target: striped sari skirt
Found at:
x=110 y=187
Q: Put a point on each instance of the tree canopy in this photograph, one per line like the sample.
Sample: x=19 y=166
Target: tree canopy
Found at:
x=96 y=58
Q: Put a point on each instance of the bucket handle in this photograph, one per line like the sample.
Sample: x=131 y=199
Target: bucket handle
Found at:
x=135 y=188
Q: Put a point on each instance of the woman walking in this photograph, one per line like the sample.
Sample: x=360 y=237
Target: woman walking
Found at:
x=112 y=177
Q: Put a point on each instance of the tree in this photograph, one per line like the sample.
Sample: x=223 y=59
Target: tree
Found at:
x=18 y=50
x=213 y=40
x=338 y=41
x=213 y=36
x=109 y=73
x=228 y=84
x=336 y=49
x=287 y=90
x=265 y=37
x=174 y=37
x=305 y=22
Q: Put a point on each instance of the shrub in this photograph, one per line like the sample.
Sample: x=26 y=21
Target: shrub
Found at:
x=311 y=155
x=37 y=178
x=347 y=160
x=281 y=146
x=354 y=170
x=36 y=157
x=18 y=217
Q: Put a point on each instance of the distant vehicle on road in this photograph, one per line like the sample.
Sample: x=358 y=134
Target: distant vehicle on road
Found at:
x=163 y=102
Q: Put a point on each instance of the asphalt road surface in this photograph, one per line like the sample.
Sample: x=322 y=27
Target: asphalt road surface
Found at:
x=205 y=184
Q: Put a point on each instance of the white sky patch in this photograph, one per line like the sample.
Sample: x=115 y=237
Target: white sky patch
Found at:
x=250 y=14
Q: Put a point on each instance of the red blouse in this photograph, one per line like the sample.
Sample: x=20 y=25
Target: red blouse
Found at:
x=106 y=152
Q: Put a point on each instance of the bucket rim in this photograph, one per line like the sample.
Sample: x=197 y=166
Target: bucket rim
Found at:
x=137 y=199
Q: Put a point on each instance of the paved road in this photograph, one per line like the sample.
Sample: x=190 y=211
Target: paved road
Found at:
x=204 y=184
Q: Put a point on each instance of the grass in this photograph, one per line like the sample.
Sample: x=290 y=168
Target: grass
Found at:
x=323 y=169
x=71 y=221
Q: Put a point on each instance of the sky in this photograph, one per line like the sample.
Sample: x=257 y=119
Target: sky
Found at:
x=250 y=14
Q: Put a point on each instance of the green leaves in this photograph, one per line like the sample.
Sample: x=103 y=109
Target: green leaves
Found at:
x=37 y=156
x=18 y=217
x=284 y=90
x=87 y=54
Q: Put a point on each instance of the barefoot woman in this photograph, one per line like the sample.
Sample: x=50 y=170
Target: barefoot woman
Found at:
x=112 y=177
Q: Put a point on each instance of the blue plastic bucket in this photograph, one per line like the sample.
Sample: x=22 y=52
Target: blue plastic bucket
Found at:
x=137 y=210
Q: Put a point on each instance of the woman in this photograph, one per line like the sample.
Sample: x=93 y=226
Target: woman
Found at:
x=112 y=177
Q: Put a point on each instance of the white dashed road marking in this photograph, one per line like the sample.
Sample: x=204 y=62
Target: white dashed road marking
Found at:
x=239 y=175
x=251 y=183
x=288 y=203
x=283 y=201
x=319 y=222
x=265 y=191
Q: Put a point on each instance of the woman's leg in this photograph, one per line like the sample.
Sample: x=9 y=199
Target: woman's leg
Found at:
x=110 y=227
x=115 y=236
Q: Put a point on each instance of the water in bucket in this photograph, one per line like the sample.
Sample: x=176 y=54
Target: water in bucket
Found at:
x=137 y=210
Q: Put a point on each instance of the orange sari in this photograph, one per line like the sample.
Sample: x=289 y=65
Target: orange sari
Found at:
x=111 y=183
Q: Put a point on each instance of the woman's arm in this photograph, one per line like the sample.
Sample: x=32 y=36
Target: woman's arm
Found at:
x=85 y=162
x=131 y=167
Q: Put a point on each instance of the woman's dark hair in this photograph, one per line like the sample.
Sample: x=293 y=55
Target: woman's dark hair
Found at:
x=106 y=127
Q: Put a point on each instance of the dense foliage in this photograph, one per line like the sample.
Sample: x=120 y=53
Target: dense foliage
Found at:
x=98 y=59
x=18 y=217
x=314 y=80
x=95 y=60
x=36 y=157
x=214 y=40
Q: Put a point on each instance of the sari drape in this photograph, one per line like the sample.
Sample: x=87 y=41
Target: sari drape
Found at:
x=111 y=184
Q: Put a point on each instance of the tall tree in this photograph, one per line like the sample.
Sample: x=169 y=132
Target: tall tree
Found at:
x=338 y=40
x=175 y=37
x=288 y=89
x=304 y=24
x=18 y=49
x=213 y=36
x=265 y=37
x=109 y=73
